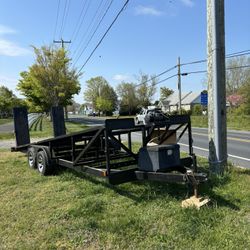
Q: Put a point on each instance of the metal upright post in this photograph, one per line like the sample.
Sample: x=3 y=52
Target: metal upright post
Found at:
x=179 y=83
x=217 y=128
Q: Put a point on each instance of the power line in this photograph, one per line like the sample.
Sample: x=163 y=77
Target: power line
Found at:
x=187 y=73
x=239 y=67
x=205 y=71
x=98 y=44
x=91 y=23
x=57 y=15
x=154 y=77
x=166 y=79
x=94 y=31
x=242 y=54
x=65 y=16
x=235 y=54
x=81 y=18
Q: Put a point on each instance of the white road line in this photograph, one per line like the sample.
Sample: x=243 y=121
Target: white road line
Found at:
x=204 y=149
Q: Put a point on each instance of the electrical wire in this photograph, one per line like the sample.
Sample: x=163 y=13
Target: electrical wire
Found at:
x=205 y=71
x=235 y=54
x=104 y=35
x=65 y=16
x=88 y=31
x=154 y=77
x=57 y=15
x=242 y=54
x=166 y=79
x=94 y=32
x=80 y=20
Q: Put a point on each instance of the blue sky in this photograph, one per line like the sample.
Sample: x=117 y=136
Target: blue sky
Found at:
x=148 y=37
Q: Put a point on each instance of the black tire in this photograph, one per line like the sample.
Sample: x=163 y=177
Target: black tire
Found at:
x=31 y=155
x=44 y=166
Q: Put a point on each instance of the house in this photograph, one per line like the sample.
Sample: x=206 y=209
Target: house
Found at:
x=87 y=108
x=188 y=100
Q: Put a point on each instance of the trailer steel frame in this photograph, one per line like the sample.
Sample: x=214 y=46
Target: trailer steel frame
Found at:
x=101 y=151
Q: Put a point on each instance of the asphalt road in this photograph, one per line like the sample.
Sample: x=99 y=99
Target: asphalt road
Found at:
x=238 y=141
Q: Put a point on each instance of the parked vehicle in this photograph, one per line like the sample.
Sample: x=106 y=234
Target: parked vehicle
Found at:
x=147 y=115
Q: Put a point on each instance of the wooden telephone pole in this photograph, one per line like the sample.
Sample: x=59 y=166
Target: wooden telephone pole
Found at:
x=62 y=42
x=217 y=128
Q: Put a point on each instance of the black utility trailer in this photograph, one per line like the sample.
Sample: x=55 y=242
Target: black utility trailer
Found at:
x=106 y=151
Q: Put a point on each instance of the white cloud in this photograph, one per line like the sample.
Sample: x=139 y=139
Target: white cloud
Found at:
x=121 y=78
x=147 y=10
x=6 y=30
x=188 y=3
x=8 y=48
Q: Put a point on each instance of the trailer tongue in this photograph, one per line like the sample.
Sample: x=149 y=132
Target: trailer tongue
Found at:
x=107 y=151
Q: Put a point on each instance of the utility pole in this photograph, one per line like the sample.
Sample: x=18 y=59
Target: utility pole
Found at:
x=217 y=129
x=62 y=42
x=179 y=83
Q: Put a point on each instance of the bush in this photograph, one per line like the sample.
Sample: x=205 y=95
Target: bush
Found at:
x=197 y=109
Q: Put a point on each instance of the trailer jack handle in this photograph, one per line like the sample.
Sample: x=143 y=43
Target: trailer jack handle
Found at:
x=195 y=200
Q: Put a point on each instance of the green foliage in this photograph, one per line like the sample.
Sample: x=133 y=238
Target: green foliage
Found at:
x=129 y=100
x=146 y=90
x=245 y=92
x=99 y=87
x=77 y=211
x=103 y=105
x=49 y=81
x=7 y=101
x=237 y=76
x=197 y=109
x=165 y=92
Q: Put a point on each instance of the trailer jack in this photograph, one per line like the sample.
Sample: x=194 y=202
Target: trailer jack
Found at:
x=195 y=200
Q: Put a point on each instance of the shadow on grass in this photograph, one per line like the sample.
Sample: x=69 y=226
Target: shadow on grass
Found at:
x=141 y=191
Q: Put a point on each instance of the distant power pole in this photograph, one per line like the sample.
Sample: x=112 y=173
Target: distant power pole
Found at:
x=179 y=83
x=62 y=42
x=217 y=129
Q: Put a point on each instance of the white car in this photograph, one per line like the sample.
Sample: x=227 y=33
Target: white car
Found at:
x=141 y=117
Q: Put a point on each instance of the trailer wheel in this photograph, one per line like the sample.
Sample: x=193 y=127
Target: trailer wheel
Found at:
x=31 y=154
x=43 y=164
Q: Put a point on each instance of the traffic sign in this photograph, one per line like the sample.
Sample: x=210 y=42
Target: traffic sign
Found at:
x=204 y=98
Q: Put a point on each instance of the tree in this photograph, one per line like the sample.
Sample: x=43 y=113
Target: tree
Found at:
x=129 y=101
x=165 y=92
x=104 y=105
x=235 y=75
x=99 y=89
x=49 y=81
x=7 y=101
x=245 y=92
x=146 y=90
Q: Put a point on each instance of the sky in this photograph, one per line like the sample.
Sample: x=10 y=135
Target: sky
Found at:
x=148 y=37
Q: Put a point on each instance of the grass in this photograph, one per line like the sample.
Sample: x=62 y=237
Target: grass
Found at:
x=233 y=122
x=73 y=211
x=4 y=121
x=46 y=131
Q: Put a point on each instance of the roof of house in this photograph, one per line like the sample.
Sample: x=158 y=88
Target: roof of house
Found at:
x=191 y=97
x=186 y=98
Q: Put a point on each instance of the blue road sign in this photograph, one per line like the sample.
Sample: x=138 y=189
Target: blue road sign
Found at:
x=204 y=98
